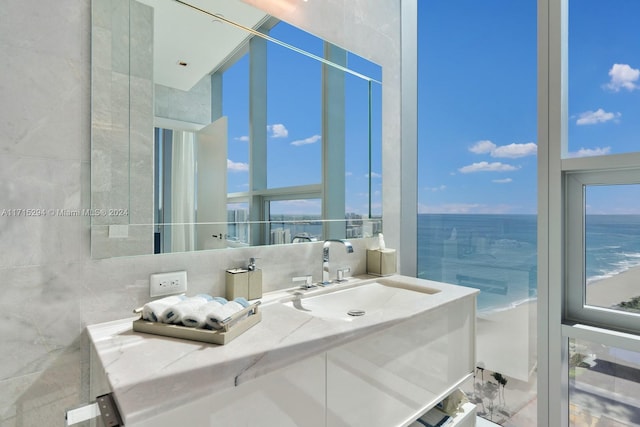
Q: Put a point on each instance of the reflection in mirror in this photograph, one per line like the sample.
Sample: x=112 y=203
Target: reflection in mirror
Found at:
x=190 y=197
x=253 y=139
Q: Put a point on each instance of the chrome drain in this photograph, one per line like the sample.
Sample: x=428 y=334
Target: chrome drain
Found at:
x=356 y=312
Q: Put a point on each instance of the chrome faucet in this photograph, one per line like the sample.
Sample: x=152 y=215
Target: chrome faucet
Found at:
x=325 y=257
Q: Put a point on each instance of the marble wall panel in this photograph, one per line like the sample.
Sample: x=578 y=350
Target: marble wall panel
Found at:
x=41 y=399
x=62 y=31
x=193 y=106
x=141 y=155
x=122 y=143
x=39 y=197
x=137 y=241
x=31 y=127
x=120 y=36
x=141 y=40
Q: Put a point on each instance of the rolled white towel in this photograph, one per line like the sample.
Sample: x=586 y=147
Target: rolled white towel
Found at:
x=175 y=312
x=198 y=317
x=242 y=301
x=216 y=315
x=152 y=311
x=221 y=300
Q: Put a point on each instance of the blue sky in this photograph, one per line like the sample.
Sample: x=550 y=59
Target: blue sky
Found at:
x=477 y=99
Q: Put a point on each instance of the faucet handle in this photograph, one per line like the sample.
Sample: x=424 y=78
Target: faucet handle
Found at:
x=308 y=281
x=341 y=272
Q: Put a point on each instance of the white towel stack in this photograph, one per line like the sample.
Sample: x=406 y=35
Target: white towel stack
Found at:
x=198 y=317
x=177 y=311
x=217 y=315
x=152 y=311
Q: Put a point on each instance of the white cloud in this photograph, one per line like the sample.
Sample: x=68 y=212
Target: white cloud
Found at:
x=237 y=166
x=511 y=151
x=587 y=152
x=277 y=130
x=487 y=167
x=311 y=140
x=514 y=151
x=483 y=147
x=594 y=117
x=244 y=138
x=502 y=181
x=435 y=189
x=374 y=175
x=623 y=77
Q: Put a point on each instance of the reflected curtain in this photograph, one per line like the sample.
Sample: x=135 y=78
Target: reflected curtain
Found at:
x=183 y=191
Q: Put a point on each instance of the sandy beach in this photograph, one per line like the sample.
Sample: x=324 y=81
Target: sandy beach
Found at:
x=613 y=290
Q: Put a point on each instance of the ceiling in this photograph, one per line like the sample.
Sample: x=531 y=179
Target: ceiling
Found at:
x=184 y=35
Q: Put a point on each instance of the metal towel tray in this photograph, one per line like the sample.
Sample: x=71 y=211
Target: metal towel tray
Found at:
x=232 y=327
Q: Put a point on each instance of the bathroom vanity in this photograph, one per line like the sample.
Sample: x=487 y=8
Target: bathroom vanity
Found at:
x=307 y=363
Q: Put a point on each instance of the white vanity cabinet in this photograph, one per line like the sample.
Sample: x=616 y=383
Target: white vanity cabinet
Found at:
x=383 y=372
x=290 y=397
x=395 y=375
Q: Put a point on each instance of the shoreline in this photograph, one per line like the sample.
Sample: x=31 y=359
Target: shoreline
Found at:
x=605 y=292
x=613 y=290
x=494 y=309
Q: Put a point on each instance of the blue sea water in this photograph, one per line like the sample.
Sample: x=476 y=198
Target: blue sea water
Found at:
x=612 y=245
x=498 y=253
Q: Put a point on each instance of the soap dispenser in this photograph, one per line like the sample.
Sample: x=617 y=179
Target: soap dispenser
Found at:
x=255 y=280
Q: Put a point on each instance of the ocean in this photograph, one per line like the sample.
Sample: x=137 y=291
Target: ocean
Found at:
x=498 y=253
x=613 y=245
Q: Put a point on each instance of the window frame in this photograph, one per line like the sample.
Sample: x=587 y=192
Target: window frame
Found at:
x=576 y=309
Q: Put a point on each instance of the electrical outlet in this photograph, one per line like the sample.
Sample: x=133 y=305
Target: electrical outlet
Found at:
x=167 y=283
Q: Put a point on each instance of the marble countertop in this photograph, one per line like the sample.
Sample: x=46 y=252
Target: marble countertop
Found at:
x=148 y=372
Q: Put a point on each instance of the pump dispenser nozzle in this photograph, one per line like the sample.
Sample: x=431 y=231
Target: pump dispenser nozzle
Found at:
x=252 y=264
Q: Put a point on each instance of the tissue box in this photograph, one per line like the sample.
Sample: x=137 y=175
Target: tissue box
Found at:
x=237 y=281
x=381 y=262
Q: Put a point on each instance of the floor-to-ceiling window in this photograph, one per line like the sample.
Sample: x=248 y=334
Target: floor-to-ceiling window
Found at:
x=600 y=170
x=304 y=140
x=477 y=174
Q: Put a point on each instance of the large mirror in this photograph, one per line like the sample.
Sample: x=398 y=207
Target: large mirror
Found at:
x=215 y=125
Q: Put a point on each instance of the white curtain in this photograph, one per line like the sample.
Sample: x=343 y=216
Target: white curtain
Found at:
x=183 y=191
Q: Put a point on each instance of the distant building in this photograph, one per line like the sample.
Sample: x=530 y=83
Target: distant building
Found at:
x=280 y=236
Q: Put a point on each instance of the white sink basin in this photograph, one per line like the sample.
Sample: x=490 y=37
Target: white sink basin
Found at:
x=356 y=302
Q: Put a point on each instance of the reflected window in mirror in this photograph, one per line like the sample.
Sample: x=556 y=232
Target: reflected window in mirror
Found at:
x=235 y=106
x=363 y=147
x=238 y=224
x=294 y=221
x=294 y=117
